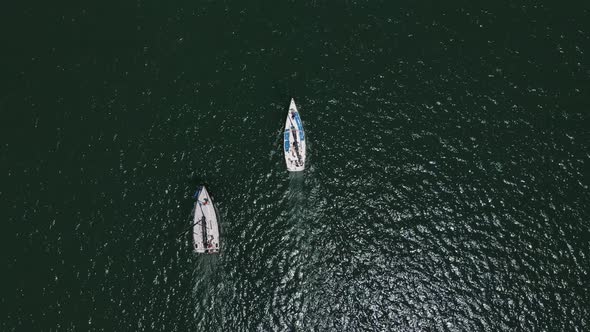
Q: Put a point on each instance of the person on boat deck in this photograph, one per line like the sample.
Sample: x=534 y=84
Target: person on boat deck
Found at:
x=205 y=201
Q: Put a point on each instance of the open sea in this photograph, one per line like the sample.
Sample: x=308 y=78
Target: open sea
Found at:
x=444 y=190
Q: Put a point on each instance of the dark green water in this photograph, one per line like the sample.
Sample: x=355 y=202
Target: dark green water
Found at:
x=445 y=187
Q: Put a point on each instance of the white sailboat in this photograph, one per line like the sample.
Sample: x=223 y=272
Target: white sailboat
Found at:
x=205 y=226
x=294 y=140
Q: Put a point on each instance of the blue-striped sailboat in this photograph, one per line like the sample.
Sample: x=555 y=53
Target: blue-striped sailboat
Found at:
x=294 y=140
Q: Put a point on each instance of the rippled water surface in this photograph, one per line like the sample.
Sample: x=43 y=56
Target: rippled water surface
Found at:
x=445 y=187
